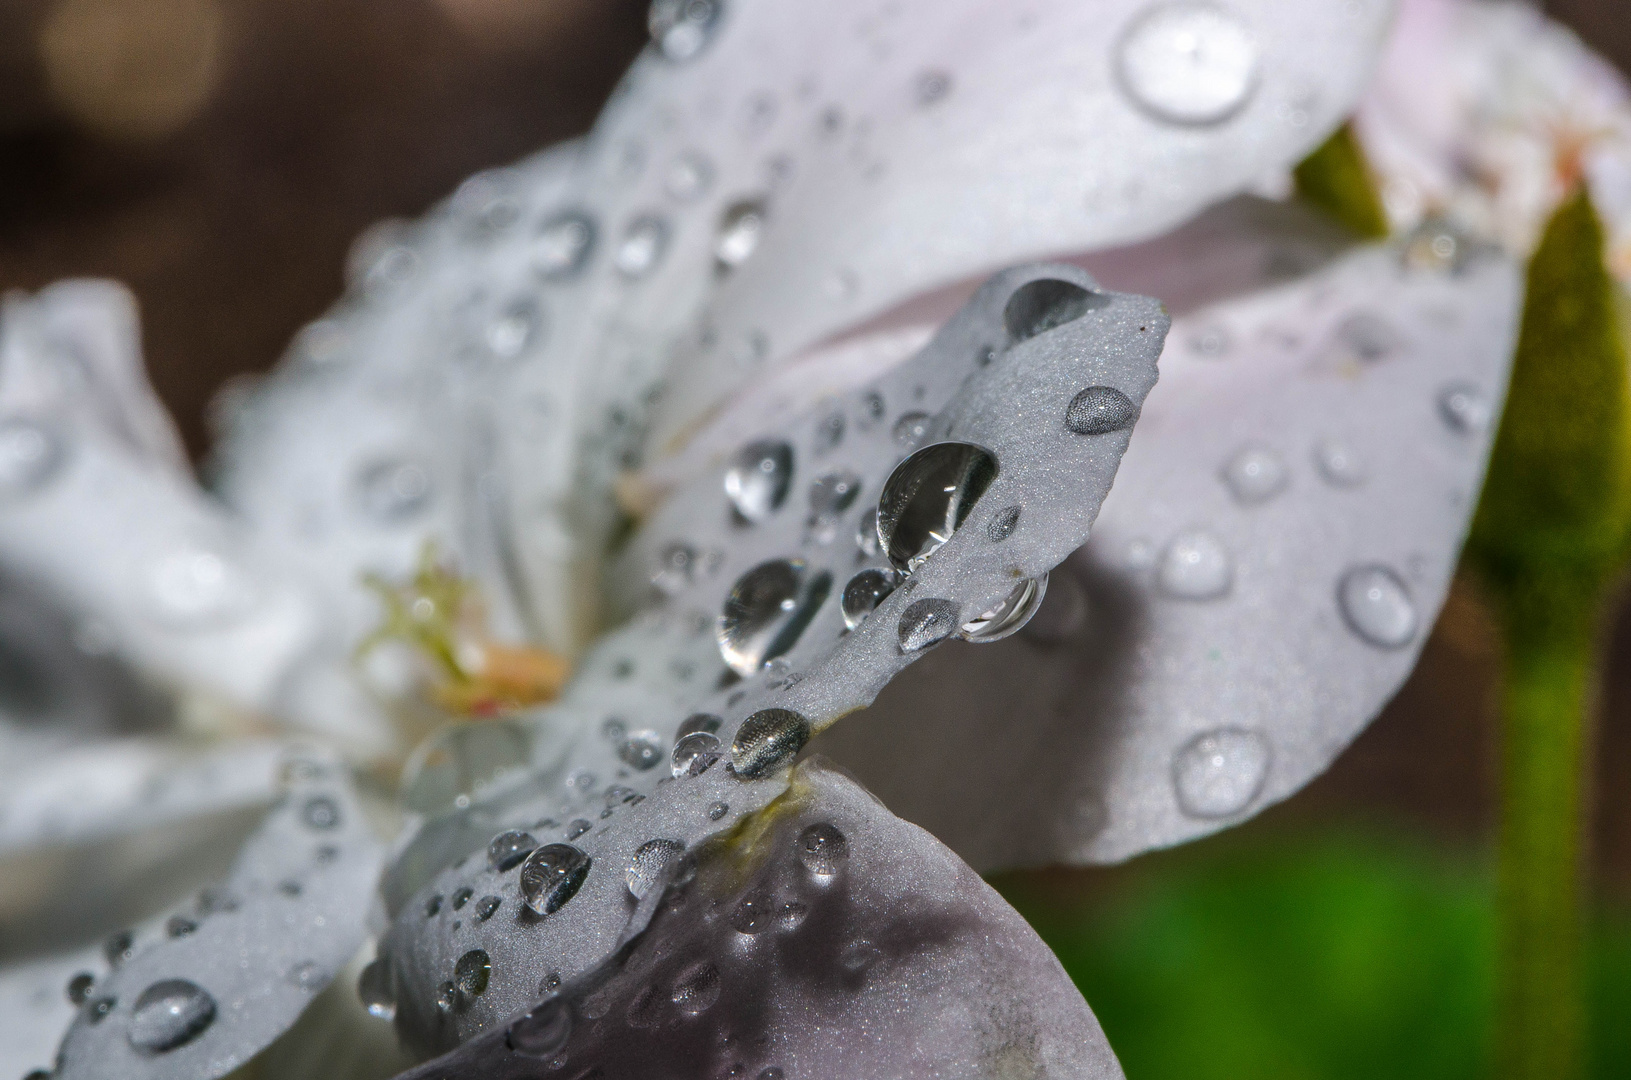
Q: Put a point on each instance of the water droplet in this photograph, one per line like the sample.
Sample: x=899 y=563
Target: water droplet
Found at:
x=927 y=498
x=1377 y=606
x=718 y=810
x=834 y=493
x=79 y=988
x=308 y=976
x=543 y=1032
x=1367 y=337
x=168 y=1014
x=680 y=28
x=676 y=569
x=30 y=454
x=374 y=990
x=1436 y=245
x=512 y=330
x=1010 y=616
x=433 y=906
x=552 y=875
x=507 y=849
x=766 y=740
x=578 y=827
x=642 y=750
x=195 y=588
x=97 y=1009
x=395 y=266
x=1099 y=410
x=741 y=227
x=757 y=481
x=1039 y=306
x=1466 y=408
x=1195 y=566
x=1339 y=464
x=689 y=177
x=927 y=622
x=1188 y=63
x=822 y=849
x=930 y=87
x=462 y=896
x=767 y=610
x=865 y=592
x=320 y=812
x=695 y=753
x=651 y=864
x=912 y=428
x=178 y=926
x=644 y=243
x=1219 y=773
x=696 y=990
x=1002 y=524
x=1256 y=474
x=119 y=947
x=705 y=722
x=471 y=973
x=447 y=996
x=562 y=245
x=486 y=906
x=753 y=914
x=866 y=533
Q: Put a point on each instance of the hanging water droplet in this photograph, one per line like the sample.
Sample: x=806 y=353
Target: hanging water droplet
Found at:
x=704 y=722
x=562 y=245
x=1195 y=566
x=1466 y=408
x=1188 y=63
x=374 y=990
x=696 y=990
x=865 y=592
x=1099 y=410
x=642 y=750
x=694 y=754
x=168 y=1014
x=512 y=329
x=651 y=865
x=1046 y=304
x=689 y=177
x=740 y=228
x=927 y=622
x=766 y=740
x=1002 y=524
x=912 y=428
x=757 y=481
x=30 y=454
x=552 y=875
x=507 y=849
x=676 y=569
x=927 y=498
x=822 y=849
x=1010 y=616
x=472 y=972
x=680 y=28
x=1377 y=606
x=767 y=610
x=543 y=1032
x=1255 y=475
x=1339 y=464
x=1219 y=773
x=834 y=493
x=644 y=243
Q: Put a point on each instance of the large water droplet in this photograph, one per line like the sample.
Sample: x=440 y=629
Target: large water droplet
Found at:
x=1010 y=616
x=1377 y=606
x=768 y=739
x=650 y=866
x=864 y=592
x=834 y=493
x=927 y=622
x=822 y=849
x=562 y=246
x=1256 y=474
x=680 y=28
x=1219 y=773
x=1466 y=408
x=508 y=848
x=1195 y=566
x=30 y=454
x=393 y=491
x=1099 y=410
x=758 y=478
x=694 y=754
x=641 y=750
x=1039 y=306
x=1188 y=63
x=543 y=1032
x=689 y=177
x=766 y=612
x=471 y=973
x=374 y=990
x=644 y=243
x=697 y=989
x=740 y=228
x=927 y=498
x=168 y=1014
x=551 y=876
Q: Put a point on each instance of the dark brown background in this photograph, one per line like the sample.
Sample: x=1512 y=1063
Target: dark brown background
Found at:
x=331 y=114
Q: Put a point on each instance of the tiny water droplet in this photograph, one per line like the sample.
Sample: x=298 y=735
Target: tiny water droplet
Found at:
x=486 y=906
x=1218 y=773
x=834 y=493
x=552 y=875
x=1377 y=606
x=681 y=28
x=865 y=592
x=506 y=850
x=696 y=990
x=642 y=247
x=374 y=990
x=1436 y=245
x=1466 y=409
x=1010 y=616
x=650 y=866
x=462 y=896
x=1195 y=566
x=543 y=1032
x=1188 y=63
x=1339 y=464
x=168 y=1014
x=1099 y=410
x=767 y=610
x=79 y=988
x=689 y=177
x=641 y=750
x=30 y=454
x=1002 y=525
x=433 y=906
x=119 y=947
x=512 y=330
x=97 y=1009
x=927 y=622
x=447 y=996
x=822 y=849
x=178 y=926
x=320 y=812
x=676 y=569
x=472 y=972
x=930 y=87
x=695 y=753
x=578 y=827
x=718 y=810
x=1367 y=337
x=562 y=245
x=927 y=498
x=758 y=478
x=740 y=228
x=766 y=740
x=912 y=428
x=1255 y=475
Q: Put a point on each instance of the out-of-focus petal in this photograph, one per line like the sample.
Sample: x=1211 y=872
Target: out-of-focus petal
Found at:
x=844 y=942
x=224 y=976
